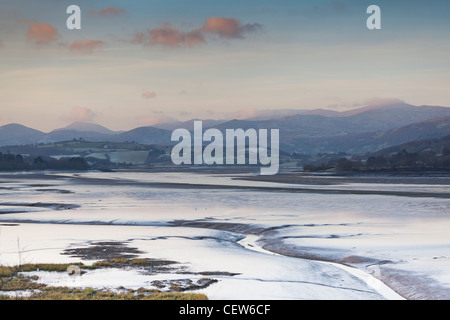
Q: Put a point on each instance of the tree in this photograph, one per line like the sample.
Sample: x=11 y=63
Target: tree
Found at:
x=39 y=163
x=344 y=164
x=445 y=151
x=376 y=162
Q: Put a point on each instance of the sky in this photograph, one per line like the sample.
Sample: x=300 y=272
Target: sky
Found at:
x=136 y=63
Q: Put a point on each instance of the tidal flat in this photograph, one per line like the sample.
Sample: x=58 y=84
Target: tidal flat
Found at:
x=232 y=235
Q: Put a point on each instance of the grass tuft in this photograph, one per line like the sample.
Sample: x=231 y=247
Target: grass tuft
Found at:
x=12 y=279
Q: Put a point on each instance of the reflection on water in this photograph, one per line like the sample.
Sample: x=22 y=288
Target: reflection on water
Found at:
x=404 y=232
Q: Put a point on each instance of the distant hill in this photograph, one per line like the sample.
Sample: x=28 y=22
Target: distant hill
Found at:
x=437 y=145
x=14 y=133
x=144 y=135
x=375 y=140
x=397 y=115
x=360 y=120
x=189 y=125
x=86 y=127
x=77 y=130
x=322 y=121
x=65 y=135
x=371 y=129
x=360 y=130
x=424 y=155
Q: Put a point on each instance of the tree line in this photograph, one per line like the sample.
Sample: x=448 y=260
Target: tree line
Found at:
x=427 y=160
x=14 y=162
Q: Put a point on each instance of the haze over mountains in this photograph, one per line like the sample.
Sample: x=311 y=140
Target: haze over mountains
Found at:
x=303 y=131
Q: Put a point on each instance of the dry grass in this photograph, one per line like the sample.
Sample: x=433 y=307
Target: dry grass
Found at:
x=12 y=280
x=140 y=262
x=64 y=293
x=119 y=260
x=102 y=264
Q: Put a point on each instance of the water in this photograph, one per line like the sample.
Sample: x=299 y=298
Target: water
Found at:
x=185 y=216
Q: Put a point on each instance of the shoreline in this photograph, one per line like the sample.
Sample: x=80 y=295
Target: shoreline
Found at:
x=397 y=281
x=251 y=242
x=294 y=182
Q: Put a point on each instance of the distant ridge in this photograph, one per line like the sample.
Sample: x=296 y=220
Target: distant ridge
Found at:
x=144 y=135
x=376 y=140
x=432 y=144
x=14 y=133
x=364 y=129
x=189 y=125
x=86 y=127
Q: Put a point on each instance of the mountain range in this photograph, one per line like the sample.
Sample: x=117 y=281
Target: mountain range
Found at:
x=366 y=129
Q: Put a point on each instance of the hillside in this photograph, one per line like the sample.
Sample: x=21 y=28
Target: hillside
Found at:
x=86 y=127
x=416 y=156
x=14 y=133
x=439 y=146
x=144 y=135
x=373 y=141
x=360 y=130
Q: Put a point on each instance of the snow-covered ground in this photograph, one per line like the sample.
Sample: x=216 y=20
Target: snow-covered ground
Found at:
x=259 y=244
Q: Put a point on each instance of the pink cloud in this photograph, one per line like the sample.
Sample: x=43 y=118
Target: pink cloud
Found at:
x=222 y=26
x=169 y=36
x=228 y=27
x=41 y=33
x=86 y=46
x=80 y=114
x=149 y=95
x=110 y=11
x=140 y=37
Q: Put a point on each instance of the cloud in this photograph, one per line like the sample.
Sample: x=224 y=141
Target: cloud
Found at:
x=110 y=11
x=41 y=33
x=229 y=28
x=1 y=44
x=80 y=114
x=86 y=46
x=173 y=37
x=169 y=36
x=380 y=102
x=140 y=37
x=373 y=102
x=149 y=95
